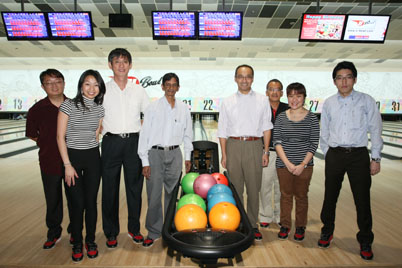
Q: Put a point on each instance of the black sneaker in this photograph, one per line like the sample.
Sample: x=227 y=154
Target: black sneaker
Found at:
x=283 y=233
x=137 y=238
x=365 y=252
x=92 y=250
x=299 y=234
x=148 y=242
x=325 y=240
x=77 y=255
x=264 y=224
x=50 y=243
x=257 y=235
x=111 y=242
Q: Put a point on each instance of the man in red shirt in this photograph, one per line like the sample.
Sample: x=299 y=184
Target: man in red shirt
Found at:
x=41 y=127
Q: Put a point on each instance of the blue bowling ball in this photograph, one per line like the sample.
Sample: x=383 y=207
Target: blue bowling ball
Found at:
x=220 y=197
x=218 y=188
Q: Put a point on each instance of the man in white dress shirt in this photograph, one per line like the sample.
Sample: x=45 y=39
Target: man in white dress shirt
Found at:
x=244 y=118
x=167 y=124
x=123 y=102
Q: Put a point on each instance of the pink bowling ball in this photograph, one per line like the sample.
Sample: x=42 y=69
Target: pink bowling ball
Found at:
x=202 y=184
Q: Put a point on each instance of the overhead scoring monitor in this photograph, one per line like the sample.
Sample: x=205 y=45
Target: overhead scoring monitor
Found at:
x=173 y=25
x=71 y=25
x=25 y=25
x=220 y=25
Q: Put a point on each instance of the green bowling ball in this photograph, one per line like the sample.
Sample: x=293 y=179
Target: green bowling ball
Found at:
x=194 y=199
x=188 y=181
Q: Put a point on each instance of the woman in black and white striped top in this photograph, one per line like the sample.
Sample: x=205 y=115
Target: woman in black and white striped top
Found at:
x=296 y=135
x=78 y=127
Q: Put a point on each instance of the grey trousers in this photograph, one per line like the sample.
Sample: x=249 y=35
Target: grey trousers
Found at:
x=166 y=167
x=244 y=164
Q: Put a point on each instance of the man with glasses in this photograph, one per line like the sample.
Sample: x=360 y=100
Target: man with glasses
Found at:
x=346 y=119
x=167 y=124
x=244 y=118
x=270 y=194
x=41 y=127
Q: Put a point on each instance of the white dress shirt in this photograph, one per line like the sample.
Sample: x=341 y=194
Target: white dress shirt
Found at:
x=123 y=108
x=165 y=126
x=345 y=122
x=244 y=115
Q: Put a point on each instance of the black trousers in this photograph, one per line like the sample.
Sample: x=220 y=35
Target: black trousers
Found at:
x=118 y=152
x=84 y=193
x=357 y=165
x=53 y=188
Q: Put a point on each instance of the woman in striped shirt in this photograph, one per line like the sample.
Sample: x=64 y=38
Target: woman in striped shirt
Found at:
x=78 y=127
x=296 y=135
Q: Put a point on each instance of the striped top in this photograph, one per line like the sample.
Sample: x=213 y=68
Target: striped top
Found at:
x=82 y=123
x=296 y=138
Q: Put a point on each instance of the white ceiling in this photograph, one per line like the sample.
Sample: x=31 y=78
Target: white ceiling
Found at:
x=270 y=34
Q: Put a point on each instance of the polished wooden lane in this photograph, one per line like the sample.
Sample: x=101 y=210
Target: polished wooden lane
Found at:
x=23 y=231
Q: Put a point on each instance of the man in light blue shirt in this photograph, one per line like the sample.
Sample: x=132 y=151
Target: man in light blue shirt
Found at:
x=346 y=119
x=167 y=124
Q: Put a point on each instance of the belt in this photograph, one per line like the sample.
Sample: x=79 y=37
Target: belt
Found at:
x=272 y=149
x=246 y=138
x=347 y=150
x=167 y=148
x=122 y=135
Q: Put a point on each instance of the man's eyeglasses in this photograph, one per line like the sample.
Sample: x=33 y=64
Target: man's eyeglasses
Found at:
x=53 y=83
x=248 y=77
x=274 y=89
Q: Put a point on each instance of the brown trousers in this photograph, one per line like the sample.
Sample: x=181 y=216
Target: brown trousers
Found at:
x=297 y=186
x=244 y=164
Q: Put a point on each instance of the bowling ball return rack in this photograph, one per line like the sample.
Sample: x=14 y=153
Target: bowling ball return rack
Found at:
x=207 y=244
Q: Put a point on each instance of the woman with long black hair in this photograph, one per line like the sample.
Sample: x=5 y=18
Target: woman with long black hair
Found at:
x=78 y=126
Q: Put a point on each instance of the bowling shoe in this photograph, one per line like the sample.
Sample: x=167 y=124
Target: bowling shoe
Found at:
x=111 y=242
x=77 y=255
x=50 y=243
x=92 y=250
x=283 y=233
x=264 y=224
x=365 y=252
x=325 y=240
x=299 y=234
x=137 y=238
x=257 y=235
x=148 y=242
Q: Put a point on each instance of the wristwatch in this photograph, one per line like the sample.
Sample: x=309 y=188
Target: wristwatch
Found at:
x=377 y=160
x=266 y=152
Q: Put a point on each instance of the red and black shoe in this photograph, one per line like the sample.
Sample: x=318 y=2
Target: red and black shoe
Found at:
x=137 y=238
x=148 y=242
x=325 y=240
x=264 y=224
x=365 y=252
x=111 y=242
x=283 y=233
x=299 y=234
x=77 y=255
x=257 y=235
x=50 y=243
x=92 y=250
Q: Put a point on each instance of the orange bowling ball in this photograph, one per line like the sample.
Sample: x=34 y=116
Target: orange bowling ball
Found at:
x=190 y=217
x=220 y=178
x=224 y=215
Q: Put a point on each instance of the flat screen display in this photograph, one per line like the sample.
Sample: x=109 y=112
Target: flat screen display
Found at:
x=322 y=27
x=25 y=25
x=173 y=25
x=71 y=25
x=366 y=28
x=220 y=25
